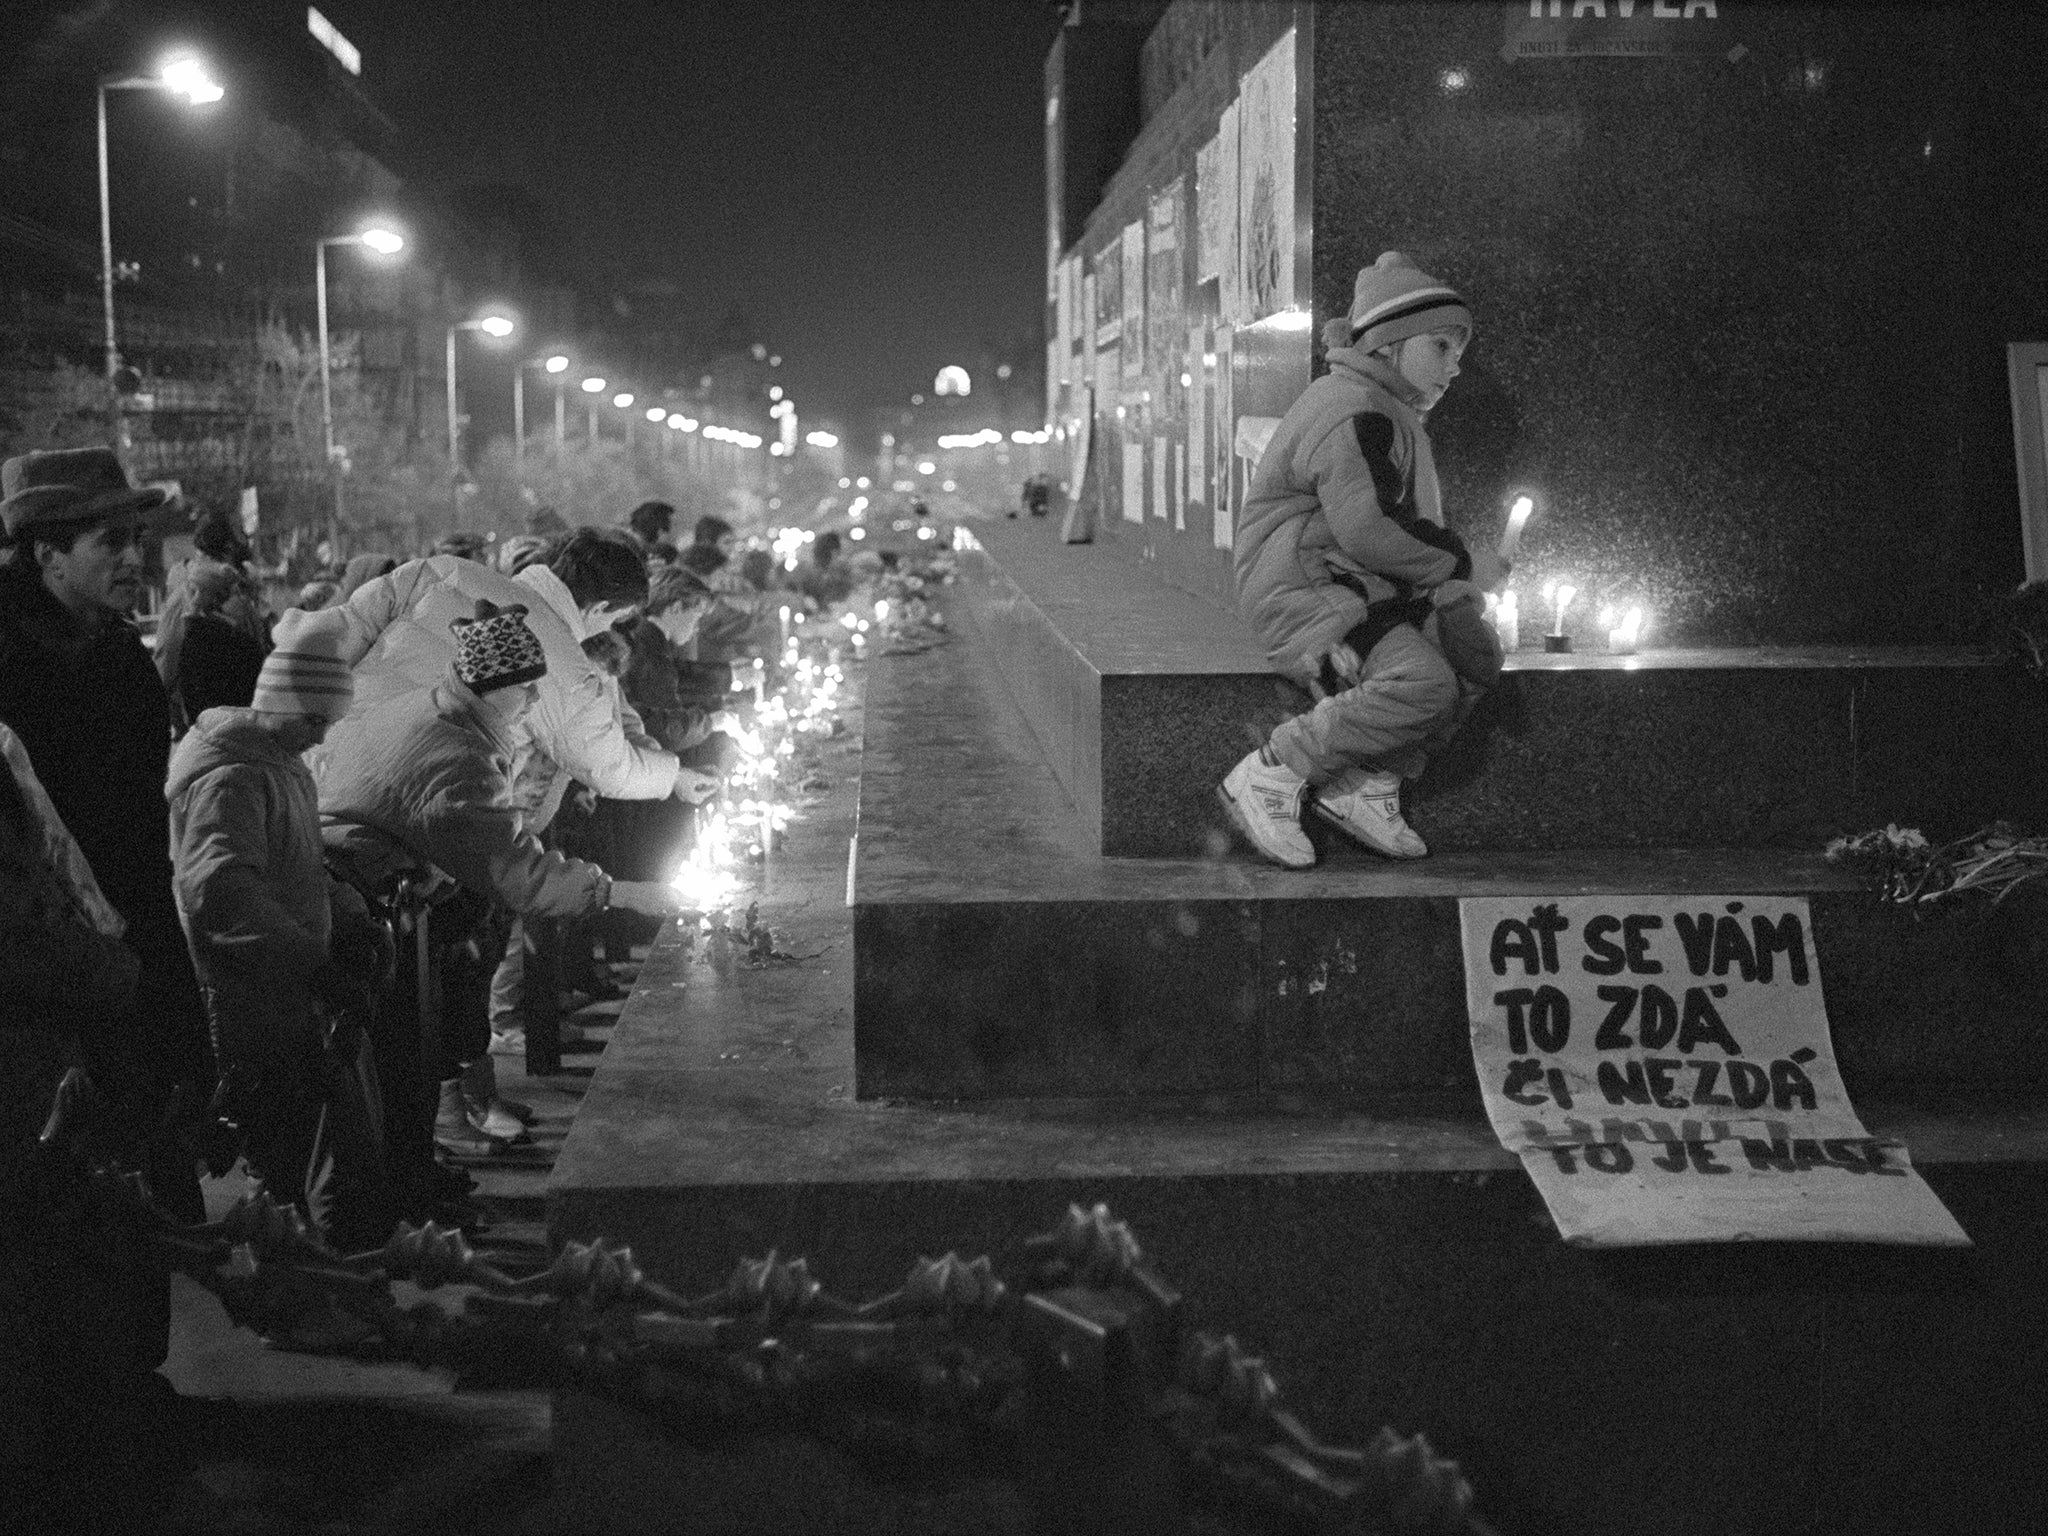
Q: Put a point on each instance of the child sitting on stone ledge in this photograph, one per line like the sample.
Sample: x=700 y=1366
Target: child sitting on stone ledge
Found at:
x=1347 y=573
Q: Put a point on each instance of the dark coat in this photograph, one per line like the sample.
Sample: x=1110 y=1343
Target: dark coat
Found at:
x=220 y=666
x=92 y=712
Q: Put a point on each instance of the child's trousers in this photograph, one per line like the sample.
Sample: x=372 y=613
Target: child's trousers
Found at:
x=1406 y=706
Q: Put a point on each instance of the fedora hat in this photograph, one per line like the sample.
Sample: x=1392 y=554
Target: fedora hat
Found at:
x=70 y=485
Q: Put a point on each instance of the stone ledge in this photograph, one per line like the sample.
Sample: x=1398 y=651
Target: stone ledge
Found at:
x=1393 y=1264
x=1141 y=697
x=997 y=956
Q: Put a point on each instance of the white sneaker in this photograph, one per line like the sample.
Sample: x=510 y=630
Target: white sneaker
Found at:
x=1264 y=802
x=454 y=1132
x=1367 y=807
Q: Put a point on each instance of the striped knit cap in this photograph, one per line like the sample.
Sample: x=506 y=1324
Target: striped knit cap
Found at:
x=1395 y=299
x=304 y=673
x=496 y=649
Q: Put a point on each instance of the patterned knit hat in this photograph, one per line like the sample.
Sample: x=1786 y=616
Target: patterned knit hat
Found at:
x=1395 y=299
x=496 y=649
x=304 y=673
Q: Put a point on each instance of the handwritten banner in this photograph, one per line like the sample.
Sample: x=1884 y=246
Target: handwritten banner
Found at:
x=1662 y=1066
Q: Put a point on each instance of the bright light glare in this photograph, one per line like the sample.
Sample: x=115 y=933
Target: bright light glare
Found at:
x=188 y=77
x=821 y=439
x=862 y=482
x=856 y=533
x=385 y=242
x=622 y=399
x=495 y=325
x=593 y=386
x=927 y=467
x=656 y=413
x=557 y=364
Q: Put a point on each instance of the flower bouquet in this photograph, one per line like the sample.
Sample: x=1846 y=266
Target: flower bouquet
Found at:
x=1994 y=861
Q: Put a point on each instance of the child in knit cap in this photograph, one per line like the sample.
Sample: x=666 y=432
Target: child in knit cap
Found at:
x=1346 y=570
x=256 y=901
x=427 y=782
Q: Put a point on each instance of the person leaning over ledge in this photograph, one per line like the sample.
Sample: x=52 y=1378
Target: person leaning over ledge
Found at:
x=428 y=781
x=395 y=633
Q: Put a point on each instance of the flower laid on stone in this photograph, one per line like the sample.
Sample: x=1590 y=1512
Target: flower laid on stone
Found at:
x=1994 y=861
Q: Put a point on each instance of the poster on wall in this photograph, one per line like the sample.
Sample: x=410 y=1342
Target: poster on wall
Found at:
x=1266 y=183
x=1221 y=431
x=1062 y=326
x=1662 y=1066
x=1215 y=204
x=1198 y=417
x=1109 y=293
x=1230 y=288
x=1134 y=298
x=1165 y=309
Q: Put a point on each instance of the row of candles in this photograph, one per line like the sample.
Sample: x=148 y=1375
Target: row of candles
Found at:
x=1624 y=630
x=741 y=824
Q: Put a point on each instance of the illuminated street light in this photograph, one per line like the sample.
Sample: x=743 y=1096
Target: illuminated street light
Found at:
x=821 y=440
x=622 y=399
x=181 y=75
x=593 y=386
x=497 y=327
x=383 y=242
x=556 y=363
x=656 y=413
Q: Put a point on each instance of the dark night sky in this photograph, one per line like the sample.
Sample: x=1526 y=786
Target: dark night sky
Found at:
x=865 y=180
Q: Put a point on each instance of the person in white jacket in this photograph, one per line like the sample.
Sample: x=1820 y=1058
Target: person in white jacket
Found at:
x=394 y=633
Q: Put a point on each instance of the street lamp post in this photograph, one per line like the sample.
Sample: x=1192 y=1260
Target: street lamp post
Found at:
x=491 y=325
x=556 y=365
x=384 y=242
x=182 y=75
x=593 y=387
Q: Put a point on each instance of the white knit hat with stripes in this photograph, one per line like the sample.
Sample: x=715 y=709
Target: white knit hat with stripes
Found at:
x=304 y=673
x=1395 y=299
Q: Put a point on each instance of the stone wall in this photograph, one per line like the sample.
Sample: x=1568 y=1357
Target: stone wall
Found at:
x=1742 y=313
x=1742 y=321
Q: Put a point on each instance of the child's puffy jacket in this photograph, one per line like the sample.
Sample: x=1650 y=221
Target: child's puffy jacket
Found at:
x=1344 y=513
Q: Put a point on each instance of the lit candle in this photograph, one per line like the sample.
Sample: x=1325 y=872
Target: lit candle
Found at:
x=1622 y=639
x=1507 y=619
x=1560 y=599
x=1518 y=519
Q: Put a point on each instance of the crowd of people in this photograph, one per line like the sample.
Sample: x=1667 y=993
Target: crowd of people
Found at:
x=272 y=884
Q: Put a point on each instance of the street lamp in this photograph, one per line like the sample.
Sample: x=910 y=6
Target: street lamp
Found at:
x=384 y=242
x=498 y=327
x=181 y=75
x=558 y=364
x=593 y=387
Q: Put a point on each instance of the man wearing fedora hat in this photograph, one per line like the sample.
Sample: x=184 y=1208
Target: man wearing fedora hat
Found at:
x=79 y=690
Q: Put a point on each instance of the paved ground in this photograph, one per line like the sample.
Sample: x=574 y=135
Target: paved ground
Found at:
x=293 y=1442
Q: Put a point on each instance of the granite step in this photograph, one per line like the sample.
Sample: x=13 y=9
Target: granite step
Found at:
x=1141 y=696
x=999 y=956
x=1392 y=1263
